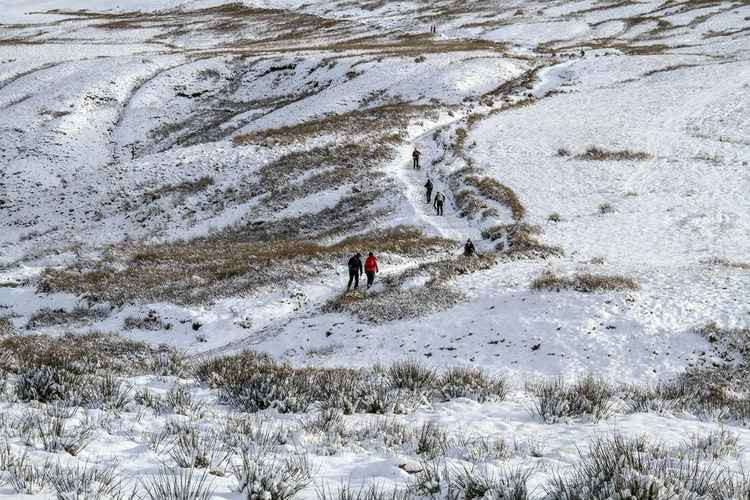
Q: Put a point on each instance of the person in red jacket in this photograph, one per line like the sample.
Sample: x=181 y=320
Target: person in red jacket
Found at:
x=371 y=267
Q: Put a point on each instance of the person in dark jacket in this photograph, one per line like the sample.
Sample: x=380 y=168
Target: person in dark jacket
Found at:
x=355 y=270
x=428 y=188
x=469 y=249
x=371 y=267
x=415 y=156
x=438 y=203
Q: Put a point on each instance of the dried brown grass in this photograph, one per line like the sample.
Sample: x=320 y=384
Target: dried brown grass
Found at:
x=583 y=282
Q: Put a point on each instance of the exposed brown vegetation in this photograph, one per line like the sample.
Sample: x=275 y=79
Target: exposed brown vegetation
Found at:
x=519 y=241
x=203 y=269
x=392 y=117
x=492 y=189
x=721 y=262
x=583 y=282
x=396 y=303
x=82 y=354
x=599 y=154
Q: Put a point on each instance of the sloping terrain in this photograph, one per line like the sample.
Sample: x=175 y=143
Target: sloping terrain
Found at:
x=195 y=176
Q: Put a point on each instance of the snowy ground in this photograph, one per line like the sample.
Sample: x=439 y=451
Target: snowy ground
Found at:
x=621 y=128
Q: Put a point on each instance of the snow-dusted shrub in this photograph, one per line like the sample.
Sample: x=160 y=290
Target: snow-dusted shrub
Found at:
x=104 y=392
x=179 y=484
x=557 y=400
x=411 y=374
x=371 y=492
x=244 y=433
x=594 y=153
x=93 y=353
x=483 y=448
x=474 y=383
x=84 y=482
x=43 y=384
x=661 y=398
x=55 y=434
x=325 y=421
x=28 y=478
x=620 y=468
x=391 y=431
x=269 y=477
x=200 y=450
x=432 y=441
x=583 y=282
x=714 y=445
x=381 y=398
x=180 y=400
x=472 y=483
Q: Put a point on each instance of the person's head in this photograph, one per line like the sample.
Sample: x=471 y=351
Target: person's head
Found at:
x=370 y=254
x=358 y=254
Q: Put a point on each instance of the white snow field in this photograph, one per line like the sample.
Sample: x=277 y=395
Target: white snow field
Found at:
x=182 y=184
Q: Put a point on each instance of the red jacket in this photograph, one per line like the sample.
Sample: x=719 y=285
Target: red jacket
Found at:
x=371 y=264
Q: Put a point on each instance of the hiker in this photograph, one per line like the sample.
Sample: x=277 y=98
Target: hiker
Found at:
x=428 y=188
x=355 y=271
x=469 y=249
x=371 y=267
x=415 y=156
x=438 y=203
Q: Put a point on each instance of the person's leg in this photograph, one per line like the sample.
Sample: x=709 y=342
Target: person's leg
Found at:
x=370 y=278
x=356 y=280
x=351 y=278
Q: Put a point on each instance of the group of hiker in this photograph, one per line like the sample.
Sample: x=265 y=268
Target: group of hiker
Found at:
x=439 y=200
x=370 y=266
x=356 y=268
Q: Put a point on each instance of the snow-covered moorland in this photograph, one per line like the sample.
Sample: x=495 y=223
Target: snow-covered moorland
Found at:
x=182 y=183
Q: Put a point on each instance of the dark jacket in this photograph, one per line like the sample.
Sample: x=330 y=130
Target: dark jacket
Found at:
x=428 y=185
x=355 y=265
x=439 y=199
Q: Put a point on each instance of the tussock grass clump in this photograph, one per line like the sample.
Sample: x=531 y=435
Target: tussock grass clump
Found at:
x=53 y=317
x=492 y=189
x=519 y=241
x=617 y=464
x=558 y=400
x=92 y=353
x=473 y=383
x=372 y=492
x=411 y=374
x=721 y=262
x=599 y=154
x=272 y=478
x=583 y=282
x=88 y=481
x=179 y=484
x=6 y=327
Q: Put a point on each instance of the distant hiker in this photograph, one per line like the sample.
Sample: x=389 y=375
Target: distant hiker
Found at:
x=415 y=156
x=371 y=267
x=438 y=203
x=355 y=270
x=469 y=249
x=428 y=188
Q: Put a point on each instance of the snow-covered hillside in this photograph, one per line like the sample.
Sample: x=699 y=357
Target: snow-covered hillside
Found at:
x=195 y=175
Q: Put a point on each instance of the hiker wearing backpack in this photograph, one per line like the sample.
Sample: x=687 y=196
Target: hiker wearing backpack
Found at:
x=469 y=249
x=415 y=156
x=438 y=203
x=355 y=270
x=428 y=188
x=371 y=267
